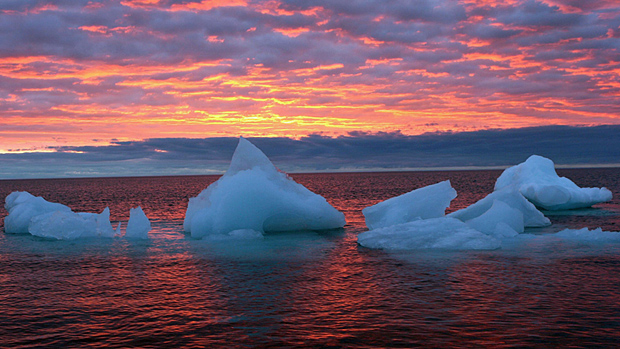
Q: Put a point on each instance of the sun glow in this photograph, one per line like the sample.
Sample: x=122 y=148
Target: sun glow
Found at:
x=153 y=68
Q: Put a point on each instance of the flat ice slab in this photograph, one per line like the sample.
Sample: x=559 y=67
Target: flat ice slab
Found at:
x=537 y=180
x=254 y=195
x=423 y=203
x=435 y=233
x=62 y=225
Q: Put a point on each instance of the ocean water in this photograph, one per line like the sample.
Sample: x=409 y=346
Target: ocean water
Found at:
x=304 y=289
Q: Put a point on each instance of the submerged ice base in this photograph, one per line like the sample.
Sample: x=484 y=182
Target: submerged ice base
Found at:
x=254 y=195
x=435 y=233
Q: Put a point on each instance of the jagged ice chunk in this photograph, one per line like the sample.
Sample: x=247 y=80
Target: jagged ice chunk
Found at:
x=423 y=203
x=139 y=225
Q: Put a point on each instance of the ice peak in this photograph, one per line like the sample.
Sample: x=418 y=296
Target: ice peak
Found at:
x=248 y=156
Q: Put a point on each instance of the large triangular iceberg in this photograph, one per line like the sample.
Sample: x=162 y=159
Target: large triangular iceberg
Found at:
x=253 y=195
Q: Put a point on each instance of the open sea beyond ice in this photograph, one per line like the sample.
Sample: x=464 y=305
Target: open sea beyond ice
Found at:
x=305 y=289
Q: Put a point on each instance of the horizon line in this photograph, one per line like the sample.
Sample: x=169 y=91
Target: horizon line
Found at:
x=339 y=171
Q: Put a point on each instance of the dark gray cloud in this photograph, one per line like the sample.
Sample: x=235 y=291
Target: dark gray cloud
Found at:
x=357 y=151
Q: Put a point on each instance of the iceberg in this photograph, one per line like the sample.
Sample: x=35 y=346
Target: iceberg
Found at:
x=423 y=203
x=435 y=233
x=500 y=220
x=255 y=196
x=537 y=181
x=138 y=226
x=63 y=225
x=531 y=216
x=481 y=226
x=22 y=207
x=34 y=215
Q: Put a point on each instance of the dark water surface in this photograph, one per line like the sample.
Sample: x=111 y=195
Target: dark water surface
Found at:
x=308 y=289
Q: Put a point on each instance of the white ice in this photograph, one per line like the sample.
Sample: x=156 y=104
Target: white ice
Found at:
x=138 y=226
x=254 y=195
x=35 y=215
x=64 y=225
x=500 y=220
x=22 y=207
x=537 y=180
x=589 y=236
x=532 y=217
x=423 y=203
x=435 y=233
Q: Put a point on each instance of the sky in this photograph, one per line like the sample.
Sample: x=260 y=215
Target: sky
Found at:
x=92 y=82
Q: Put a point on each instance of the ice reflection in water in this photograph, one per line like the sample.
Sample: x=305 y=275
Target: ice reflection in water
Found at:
x=304 y=289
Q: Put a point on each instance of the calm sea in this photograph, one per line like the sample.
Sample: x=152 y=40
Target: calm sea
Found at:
x=308 y=289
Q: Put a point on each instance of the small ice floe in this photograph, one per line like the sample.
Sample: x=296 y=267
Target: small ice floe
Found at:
x=586 y=235
x=254 y=195
x=138 y=226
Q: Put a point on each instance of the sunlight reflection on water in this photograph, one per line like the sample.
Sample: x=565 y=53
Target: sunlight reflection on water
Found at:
x=302 y=289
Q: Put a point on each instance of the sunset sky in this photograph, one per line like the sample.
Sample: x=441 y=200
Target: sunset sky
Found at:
x=80 y=77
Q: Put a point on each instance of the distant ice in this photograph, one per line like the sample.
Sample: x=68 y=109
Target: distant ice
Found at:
x=254 y=195
x=138 y=226
x=434 y=233
x=423 y=203
x=593 y=236
x=537 y=180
